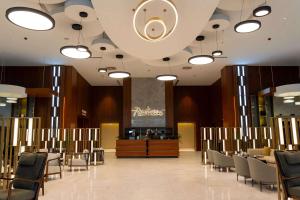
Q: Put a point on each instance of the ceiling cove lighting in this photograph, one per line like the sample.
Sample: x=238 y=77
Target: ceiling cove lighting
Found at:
x=247 y=26
x=201 y=59
x=262 y=11
x=166 y=77
x=119 y=74
x=30 y=18
x=77 y=52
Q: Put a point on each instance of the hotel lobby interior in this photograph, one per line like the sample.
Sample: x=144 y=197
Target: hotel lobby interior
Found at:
x=149 y=99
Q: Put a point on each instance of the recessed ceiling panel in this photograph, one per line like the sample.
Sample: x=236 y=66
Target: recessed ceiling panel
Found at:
x=117 y=18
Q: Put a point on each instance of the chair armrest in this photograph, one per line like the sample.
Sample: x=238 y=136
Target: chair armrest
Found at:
x=39 y=181
x=58 y=158
x=290 y=178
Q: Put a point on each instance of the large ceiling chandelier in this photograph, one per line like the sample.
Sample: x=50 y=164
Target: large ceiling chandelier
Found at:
x=153 y=25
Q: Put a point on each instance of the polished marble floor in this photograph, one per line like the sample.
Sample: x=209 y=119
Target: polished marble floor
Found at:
x=152 y=179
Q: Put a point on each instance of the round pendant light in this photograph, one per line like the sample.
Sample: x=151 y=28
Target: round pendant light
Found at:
x=262 y=11
x=12 y=92
x=30 y=18
x=201 y=59
x=118 y=74
x=247 y=26
x=217 y=53
x=78 y=52
x=166 y=77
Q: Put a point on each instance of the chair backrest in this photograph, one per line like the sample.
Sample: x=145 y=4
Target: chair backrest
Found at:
x=210 y=156
x=260 y=171
x=288 y=164
x=241 y=166
x=31 y=166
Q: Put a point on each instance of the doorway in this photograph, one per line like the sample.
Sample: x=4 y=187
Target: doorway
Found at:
x=187 y=133
x=109 y=135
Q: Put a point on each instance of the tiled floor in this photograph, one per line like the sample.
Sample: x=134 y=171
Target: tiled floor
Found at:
x=152 y=179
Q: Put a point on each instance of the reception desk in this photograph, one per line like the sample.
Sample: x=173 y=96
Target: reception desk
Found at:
x=147 y=148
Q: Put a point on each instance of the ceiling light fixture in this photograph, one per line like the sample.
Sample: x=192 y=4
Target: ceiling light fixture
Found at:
x=158 y=20
x=201 y=59
x=246 y=26
x=289 y=101
x=2 y=104
x=297 y=103
x=119 y=74
x=217 y=52
x=102 y=70
x=166 y=77
x=288 y=97
x=12 y=91
x=30 y=18
x=77 y=51
x=262 y=11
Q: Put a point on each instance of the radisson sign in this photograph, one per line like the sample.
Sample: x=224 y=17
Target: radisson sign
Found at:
x=146 y=112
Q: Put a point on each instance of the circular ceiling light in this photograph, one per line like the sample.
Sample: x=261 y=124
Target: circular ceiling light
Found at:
x=119 y=74
x=102 y=70
x=247 y=26
x=30 y=18
x=2 y=104
x=143 y=34
x=288 y=97
x=217 y=53
x=201 y=59
x=262 y=11
x=288 y=101
x=297 y=103
x=166 y=77
x=78 y=52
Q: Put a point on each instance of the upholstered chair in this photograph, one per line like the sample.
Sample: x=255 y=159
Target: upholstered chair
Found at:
x=222 y=161
x=261 y=172
x=241 y=167
x=210 y=157
x=53 y=165
x=28 y=178
x=79 y=159
x=288 y=164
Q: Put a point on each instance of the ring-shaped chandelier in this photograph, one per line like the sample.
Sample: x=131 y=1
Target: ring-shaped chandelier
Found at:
x=165 y=33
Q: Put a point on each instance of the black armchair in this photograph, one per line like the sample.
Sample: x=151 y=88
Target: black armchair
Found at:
x=288 y=164
x=28 y=178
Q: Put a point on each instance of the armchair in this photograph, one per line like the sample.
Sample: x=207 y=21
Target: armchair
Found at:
x=28 y=178
x=79 y=159
x=53 y=165
x=262 y=172
x=288 y=164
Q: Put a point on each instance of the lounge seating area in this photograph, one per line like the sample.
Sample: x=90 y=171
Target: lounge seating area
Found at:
x=247 y=166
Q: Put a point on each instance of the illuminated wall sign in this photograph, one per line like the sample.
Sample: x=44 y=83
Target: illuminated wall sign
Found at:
x=139 y=112
x=148 y=103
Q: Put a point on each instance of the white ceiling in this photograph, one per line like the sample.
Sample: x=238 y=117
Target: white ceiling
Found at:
x=42 y=48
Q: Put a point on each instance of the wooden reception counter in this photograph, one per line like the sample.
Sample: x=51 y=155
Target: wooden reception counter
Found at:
x=147 y=148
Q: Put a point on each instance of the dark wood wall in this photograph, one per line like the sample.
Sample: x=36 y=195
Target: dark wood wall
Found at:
x=107 y=105
x=75 y=98
x=32 y=77
x=197 y=104
x=261 y=77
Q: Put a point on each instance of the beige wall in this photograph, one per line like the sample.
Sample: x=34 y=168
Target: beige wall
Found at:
x=109 y=134
x=187 y=133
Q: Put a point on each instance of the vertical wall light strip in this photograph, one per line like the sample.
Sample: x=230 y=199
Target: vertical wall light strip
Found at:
x=294 y=130
x=30 y=131
x=280 y=127
x=55 y=99
x=242 y=95
x=16 y=132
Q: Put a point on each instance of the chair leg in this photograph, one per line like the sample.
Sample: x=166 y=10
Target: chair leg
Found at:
x=260 y=184
x=252 y=182
x=237 y=177
x=43 y=188
x=245 y=180
x=60 y=175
